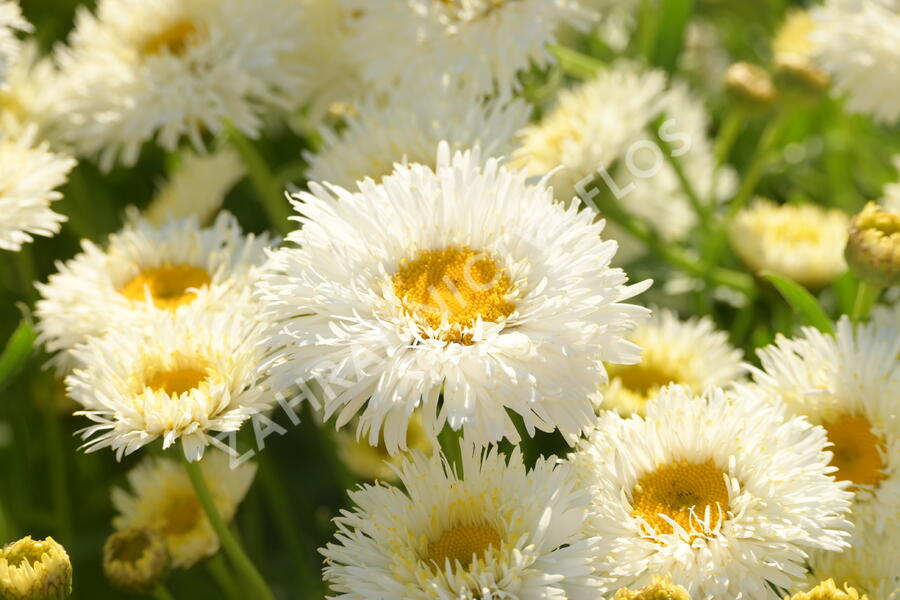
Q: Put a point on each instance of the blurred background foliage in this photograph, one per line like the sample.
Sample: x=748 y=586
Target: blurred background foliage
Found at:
x=49 y=487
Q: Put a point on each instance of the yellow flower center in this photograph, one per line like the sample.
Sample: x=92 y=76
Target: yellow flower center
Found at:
x=129 y=546
x=856 y=454
x=180 y=517
x=463 y=543
x=456 y=285
x=175 y=39
x=682 y=491
x=645 y=378
x=168 y=286
x=177 y=381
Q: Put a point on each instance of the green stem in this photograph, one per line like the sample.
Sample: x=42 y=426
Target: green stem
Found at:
x=219 y=571
x=27 y=272
x=762 y=157
x=866 y=296
x=268 y=189
x=450 y=441
x=58 y=483
x=230 y=544
x=4 y=530
x=576 y=64
x=647 y=30
x=160 y=592
x=727 y=136
x=698 y=205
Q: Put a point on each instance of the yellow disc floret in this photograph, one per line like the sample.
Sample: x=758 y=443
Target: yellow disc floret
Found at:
x=169 y=286
x=463 y=543
x=173 y=39
x=856 y=450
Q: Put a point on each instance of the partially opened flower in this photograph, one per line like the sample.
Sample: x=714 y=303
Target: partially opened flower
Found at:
x=147 y=274
x=501 y=532
x=136 y=559
x=183 y=380
x=463 y=290
x=35 y=570
x=660 y=589
x=374 y=462
x=163 y=499
x=29 y=176
x=723 y=492
x=173 y=71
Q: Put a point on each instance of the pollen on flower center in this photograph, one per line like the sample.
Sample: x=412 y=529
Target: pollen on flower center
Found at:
x=855 y=450
x=455 y=284
x=462 y=543
x=645 y=378
x=177 y=381
x=173 y=39
x=682 y=491
x=169 y=285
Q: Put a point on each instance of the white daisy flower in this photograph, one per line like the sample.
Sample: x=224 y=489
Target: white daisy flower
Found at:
x=848 y=383
x=804 y=242
x=723 y=493
x=870 y=568
x=183 y=379
x=502 y=532
x=373 y=462
x=146 y=273
x=485 y=42
x=163 y=499
x=691 y=353
x=11 y=21
x=29 y=176
x=30 y=97
x=858 y=43
x=464 y=284
x=197 y=187
x=607 y=120
x=175 y=70
x=408 y=126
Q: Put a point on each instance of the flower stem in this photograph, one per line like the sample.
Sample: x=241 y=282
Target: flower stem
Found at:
x=58 y=469
x=728 y=133
x=268 y=189
x=576 y=64
x=760 y=161
x=229 y=542
x=160 y=592
x=219 y=571
x=866 y=296
x=450 y=440
x=687 y=187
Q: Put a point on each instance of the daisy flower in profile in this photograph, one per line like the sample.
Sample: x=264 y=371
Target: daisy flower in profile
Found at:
x=848 y=383
x=858 y=44
x=163 y=499
x=408 y=128
x=11 y=21
x=606 y=124
x=486 y=42
x=502 y=532
x=804 y=242
x=723 y=492
x=463 y=290
x=691 y=353
x=180 y=380
x=794 y=49
x=146 y=273
x=197 y=187
x=175 y=70
x=374 y=462
x=29 y=176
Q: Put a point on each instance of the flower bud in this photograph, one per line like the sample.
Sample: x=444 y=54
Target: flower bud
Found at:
x=135 y=559
x=750 y=86
x=793 y=50
x=873 y=247
x=35 y=570
x=828 y=591
x=660 y=589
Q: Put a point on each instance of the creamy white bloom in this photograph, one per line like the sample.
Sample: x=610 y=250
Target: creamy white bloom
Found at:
x=408 y=126
x=501 y=532
x=871 y=568
x=606 y=123
x=180 y=380
x=463 y=290
x=197 y=187
x=486 y=42
x=162 y=498
x=691 y=353
x=723 y=493
x=30 y=97
x=848 y=383
x=29 y=176
x=146 y=273
x=804 y=242
x=858 y=44
x=11 y=21
x=174 y=71
x=616 y=20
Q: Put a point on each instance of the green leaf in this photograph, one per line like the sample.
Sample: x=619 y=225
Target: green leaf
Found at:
x=17 y=351
x=673 y=19
x=801 y=301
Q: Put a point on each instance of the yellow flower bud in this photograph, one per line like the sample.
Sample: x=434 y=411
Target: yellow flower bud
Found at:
x=750 y=85
x=135 y=559
x=660 y=589
x=828 y=591
x=873 y=247
x=35 y=570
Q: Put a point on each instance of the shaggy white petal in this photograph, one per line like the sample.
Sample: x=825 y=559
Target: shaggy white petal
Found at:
x=337 y=318
x=384 y=548
x=11 y=21
x=780 y=501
